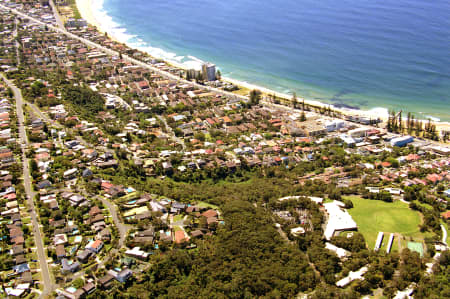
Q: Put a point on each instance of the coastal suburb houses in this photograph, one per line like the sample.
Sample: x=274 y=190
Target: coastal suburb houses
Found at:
x=111 y=132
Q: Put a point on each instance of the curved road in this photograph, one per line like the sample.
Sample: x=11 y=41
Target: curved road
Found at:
x=121 y=227
x=444 y=234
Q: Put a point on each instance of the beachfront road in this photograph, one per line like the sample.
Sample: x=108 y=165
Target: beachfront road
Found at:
x=125 y=57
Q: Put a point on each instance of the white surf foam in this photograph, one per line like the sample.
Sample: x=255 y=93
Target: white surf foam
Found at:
x=380 y=112
x=435 y=119
x=195 y=58
x=120 y=33
x=107 y=23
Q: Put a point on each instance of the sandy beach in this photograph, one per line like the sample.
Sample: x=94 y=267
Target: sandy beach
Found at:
x=86 y=11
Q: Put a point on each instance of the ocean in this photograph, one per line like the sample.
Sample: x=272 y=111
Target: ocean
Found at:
x=363 y=54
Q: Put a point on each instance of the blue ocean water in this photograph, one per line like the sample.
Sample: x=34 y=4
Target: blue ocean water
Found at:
x=361 y=53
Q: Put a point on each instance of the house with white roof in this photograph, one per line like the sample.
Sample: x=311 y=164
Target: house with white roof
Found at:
x=338 y=219
x=352 y=276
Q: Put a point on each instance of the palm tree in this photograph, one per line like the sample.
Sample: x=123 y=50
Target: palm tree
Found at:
x=294 y=100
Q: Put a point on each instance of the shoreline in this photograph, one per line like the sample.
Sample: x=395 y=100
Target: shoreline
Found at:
x=86 y=11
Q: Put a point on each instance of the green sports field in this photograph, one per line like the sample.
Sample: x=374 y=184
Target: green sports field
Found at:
x=373 y=216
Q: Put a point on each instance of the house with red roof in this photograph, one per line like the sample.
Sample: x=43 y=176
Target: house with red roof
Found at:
x=44 y=156
x=10 y=196
x=6 y=154
x=385 y=178
x=434 y=178
x=446 y=215
x=385 y=164
x=420 y=182
x=95 y=246
x=180 y=237
x=227 y=120
x=412 y=157
x=106 y=185
x=210 y=213
x=143 y=86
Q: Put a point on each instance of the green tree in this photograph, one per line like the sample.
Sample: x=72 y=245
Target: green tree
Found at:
x=294 y=100
x=302 y=116
x=255 y=97
x=84 y=101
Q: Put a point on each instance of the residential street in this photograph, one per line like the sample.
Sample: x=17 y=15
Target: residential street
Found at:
x=170 y=131
x=125 y=57
x=122 y=228
x=57 y=16
x=125 y=174
x=17 y=43
x=444 y=234
x=43 y=116
x=42 y=257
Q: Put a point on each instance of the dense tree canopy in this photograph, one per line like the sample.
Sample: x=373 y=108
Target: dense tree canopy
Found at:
x=355 y=243
x=246 y=259
x=86 y=102
x=436 y=286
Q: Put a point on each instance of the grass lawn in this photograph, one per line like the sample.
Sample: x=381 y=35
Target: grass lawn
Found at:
x=373 y=216
x=203 y=204
x=327 y=200
x=32 y=255
x=243 y=91
x=29 y=242
x=31 y=295
x=108 y=247
x=176 y=228
x=178 y=217
x=131 y=196
x=36 y=276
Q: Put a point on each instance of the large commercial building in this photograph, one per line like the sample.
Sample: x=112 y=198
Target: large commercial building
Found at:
x=338 y=219
x=401 y=141
x=334 y=125
x=209 y=71
x=76 y=23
